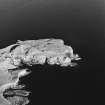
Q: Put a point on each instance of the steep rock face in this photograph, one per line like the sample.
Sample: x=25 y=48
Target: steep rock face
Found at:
x=15 y=60
x=34 y=50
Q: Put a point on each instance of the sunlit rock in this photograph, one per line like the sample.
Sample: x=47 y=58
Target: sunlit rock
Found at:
x=15 y=59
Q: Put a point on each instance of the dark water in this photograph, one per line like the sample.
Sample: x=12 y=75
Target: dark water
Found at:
x=80 y=23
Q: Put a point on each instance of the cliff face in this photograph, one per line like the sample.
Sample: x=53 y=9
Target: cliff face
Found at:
x=16 y=60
